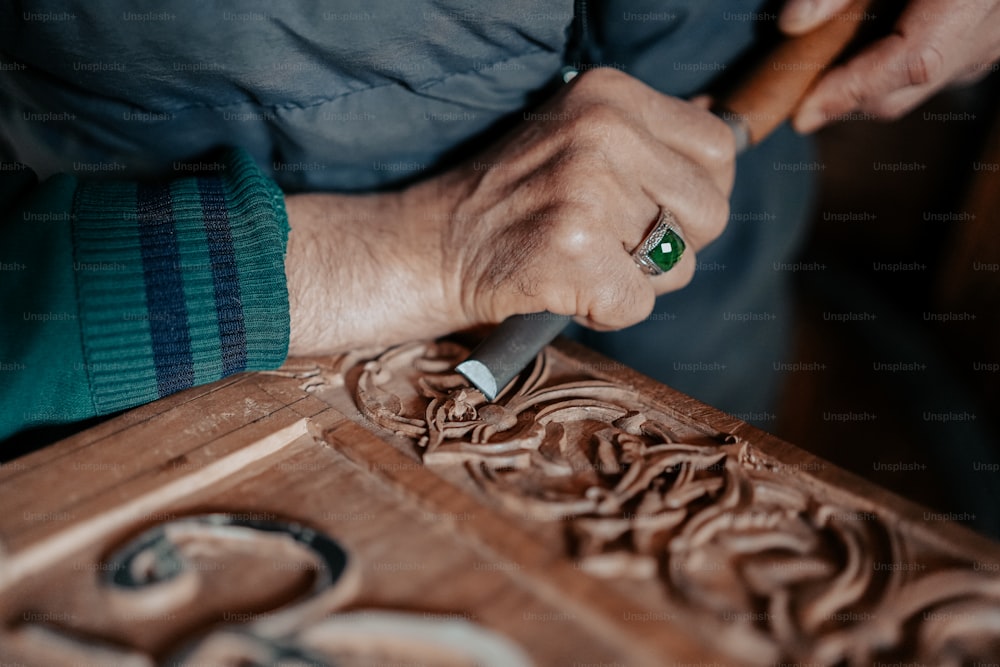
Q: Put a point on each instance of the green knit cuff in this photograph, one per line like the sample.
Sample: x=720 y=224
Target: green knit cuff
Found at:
x=180 y=283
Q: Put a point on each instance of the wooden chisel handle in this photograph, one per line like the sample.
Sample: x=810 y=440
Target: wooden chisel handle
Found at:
x=773 y=89
x=762 y=101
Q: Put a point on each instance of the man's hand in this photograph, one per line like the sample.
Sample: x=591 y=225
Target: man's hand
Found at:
x=934 y=43
x=544 y=220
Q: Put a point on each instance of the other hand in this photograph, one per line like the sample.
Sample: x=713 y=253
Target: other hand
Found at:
x=934 y=43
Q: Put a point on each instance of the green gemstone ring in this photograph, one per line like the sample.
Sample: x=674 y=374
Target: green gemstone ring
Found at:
x=662 y=248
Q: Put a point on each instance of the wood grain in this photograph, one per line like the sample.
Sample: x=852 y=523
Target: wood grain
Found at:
x=590 y=516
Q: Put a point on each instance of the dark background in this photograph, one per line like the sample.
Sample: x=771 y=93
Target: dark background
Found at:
x=940 y=420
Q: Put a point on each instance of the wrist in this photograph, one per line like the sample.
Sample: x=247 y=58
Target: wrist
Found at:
x=365 y=271
x=427 y=210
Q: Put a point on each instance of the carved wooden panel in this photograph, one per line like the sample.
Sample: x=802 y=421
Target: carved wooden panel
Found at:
x=373 y=509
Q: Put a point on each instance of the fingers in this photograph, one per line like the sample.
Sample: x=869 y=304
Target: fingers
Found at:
x=598 y=226
x=683 y=158
x=869 y=80
x=685 y=188
x=677 y=125
x=622 y=172
x=629 y=296
x=705 y=139
x=801 y=16
x=553 y=225
x=633 y=178
x=625 y=297
x=933 y=44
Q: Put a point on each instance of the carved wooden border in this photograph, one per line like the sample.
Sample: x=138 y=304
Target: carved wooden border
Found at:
x=789 y=567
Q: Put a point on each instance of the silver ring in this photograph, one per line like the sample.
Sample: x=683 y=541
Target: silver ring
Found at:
x=662 y=248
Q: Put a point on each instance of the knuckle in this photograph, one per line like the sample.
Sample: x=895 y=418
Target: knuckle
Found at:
x=574 y=240
x=720 y=149
x=926 y=65
x=645 y=301
x=855 y=88
x=600 y=79
x=716 y=217
x=620 y=305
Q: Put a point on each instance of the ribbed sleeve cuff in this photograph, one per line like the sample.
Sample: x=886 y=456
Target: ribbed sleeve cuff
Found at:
x=180 y=283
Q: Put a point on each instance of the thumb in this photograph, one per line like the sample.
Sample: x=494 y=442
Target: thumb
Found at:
x=799 y=16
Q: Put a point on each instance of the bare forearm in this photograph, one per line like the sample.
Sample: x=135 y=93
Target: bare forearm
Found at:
x=363 y=271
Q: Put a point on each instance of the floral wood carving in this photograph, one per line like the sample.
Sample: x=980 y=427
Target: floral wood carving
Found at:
x=786 y=572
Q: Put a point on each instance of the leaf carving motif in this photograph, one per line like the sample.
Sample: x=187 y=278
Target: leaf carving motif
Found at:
x=785 y=571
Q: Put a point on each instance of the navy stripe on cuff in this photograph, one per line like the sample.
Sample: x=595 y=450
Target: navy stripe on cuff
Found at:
x=168 y=318
x=225 y=277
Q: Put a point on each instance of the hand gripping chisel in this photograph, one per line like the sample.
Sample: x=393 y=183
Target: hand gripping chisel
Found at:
x=765 y=99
